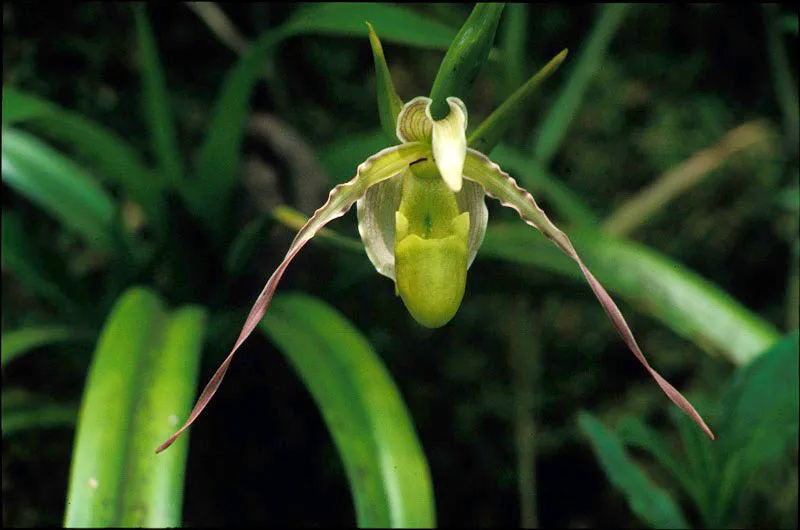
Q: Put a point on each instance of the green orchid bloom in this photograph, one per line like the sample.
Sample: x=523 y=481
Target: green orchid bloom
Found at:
x=422 y=217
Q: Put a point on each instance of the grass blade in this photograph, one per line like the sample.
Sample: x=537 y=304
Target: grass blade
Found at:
x=156 y=101
x=682 y=300
x=24 y=411
x=651 y=503
x=22 y=259
x=19 y=342
x=115 y=160
x=362 y=408
x=142 y=379
x=590 y=57
x=58 y=186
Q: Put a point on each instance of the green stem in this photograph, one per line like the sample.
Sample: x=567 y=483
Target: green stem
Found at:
x=524 y=349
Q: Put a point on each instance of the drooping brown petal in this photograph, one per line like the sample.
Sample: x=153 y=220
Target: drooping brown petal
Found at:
x=375 y=169
x=499 y=185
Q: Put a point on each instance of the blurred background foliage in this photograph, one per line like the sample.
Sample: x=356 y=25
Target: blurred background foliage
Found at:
x=696 y=104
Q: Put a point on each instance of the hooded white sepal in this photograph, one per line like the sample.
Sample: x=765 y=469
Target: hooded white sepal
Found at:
x=449 y=142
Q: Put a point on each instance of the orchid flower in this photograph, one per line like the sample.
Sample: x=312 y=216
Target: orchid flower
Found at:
x=422 y=217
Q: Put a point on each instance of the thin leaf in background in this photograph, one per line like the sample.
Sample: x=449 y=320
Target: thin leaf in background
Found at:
x=115 y=160
x=142 y=379
x=58 y=186
x=492 y=129
x=20 y=257
x=589 y=59
x=651 y=503
x=20 y=341
x=363 y=409
x=688 y=304
x=156 y=102
x=389 y=103
x=23 y=411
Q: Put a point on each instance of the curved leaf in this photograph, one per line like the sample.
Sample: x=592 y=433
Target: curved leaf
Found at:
x=18 y=342
x=362 y=408
x=115 y=159
x=141 y=381
x=590 y=57
x=688 y=304
x=651 y=503
x=57 y=185
x=24 y=411
x=156 y=101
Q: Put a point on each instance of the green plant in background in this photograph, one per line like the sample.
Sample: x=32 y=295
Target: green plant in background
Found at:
x=759 y=422
x=168 y=225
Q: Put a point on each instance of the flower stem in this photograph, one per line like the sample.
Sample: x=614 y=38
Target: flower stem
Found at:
x=524 y=363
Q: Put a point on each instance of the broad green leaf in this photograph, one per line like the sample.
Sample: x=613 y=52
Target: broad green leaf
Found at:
x=363 y=409
x=141 y=381
x=590 y=58
x=24 y=411
x=21 y=258
x=156 y=102
x=20 y=341
x=682 y=300
x=60 y=187
x=115 y=160
x=465 y=57
x=389 y=103
x=492 y=129
x=652 y=504
x=760 y=418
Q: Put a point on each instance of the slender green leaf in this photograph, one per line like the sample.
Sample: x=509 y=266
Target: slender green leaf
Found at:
x=19 y=108
x=58 y=186
x=394 y=23
x=362 y=408
x=536 y=179
x=682 y=300
x=142 y=379
x=633 y=432
x=21 y=258
x=389 y=103
x=465 y=57
x=488 y=134
x=19 y=342
x=590 y=58
x=24 y=411
x=651 y=503
x=115 y=159
x=156 y=102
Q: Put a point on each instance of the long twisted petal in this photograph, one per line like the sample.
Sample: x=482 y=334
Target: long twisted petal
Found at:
x=375 y=169
x=499 y=185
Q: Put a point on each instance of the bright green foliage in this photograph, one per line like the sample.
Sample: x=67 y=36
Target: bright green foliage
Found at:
x=363 y=409
x=141 y=381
